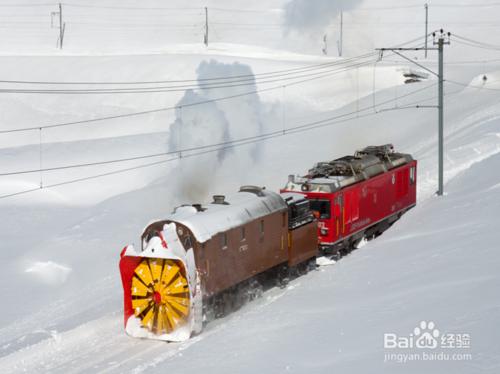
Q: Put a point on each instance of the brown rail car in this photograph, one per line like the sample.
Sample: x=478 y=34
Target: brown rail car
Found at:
x=227 y=242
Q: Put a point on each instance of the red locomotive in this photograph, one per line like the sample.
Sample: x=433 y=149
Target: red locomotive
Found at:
x=200 y=253
x=360 y=196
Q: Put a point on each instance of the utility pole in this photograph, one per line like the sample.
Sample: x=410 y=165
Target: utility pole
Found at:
x=426 y=26
x=442 y=40
x=62 y=25
x=205 y=37
x=440 y=43
x=339 y=42
x=325 y=45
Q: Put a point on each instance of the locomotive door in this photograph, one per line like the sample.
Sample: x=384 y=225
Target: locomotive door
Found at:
x=339 y=215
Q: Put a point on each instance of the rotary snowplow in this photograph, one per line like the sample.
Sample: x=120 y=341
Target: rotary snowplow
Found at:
x=160 y=288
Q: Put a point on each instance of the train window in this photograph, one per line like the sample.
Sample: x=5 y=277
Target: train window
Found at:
x=243 y=233
x=187 y=242
x=412 y=175
x=223 y=240
x=322 y=207
x=299 y=214
x=355 y=205
x=262 y=226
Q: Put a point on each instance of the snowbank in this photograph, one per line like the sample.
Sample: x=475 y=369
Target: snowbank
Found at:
x=49 y=272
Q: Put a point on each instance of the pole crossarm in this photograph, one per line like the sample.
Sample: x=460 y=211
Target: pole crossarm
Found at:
x=440 y=39
x=416 y=63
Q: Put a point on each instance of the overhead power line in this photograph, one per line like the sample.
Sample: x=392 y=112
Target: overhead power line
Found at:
x=235 y=10
x=451 y=5
x=475 y=5
x=222 y=79
x=75 y=5
x=454 y=62
x=135 y=25
x=468 y=85
x=477 y=43
x=27 y=5
x=202 y=83
x=209 y=146
x=160 y=89
x=157 y=110
x=384 y=8
x=209 y=79
x=300 y=128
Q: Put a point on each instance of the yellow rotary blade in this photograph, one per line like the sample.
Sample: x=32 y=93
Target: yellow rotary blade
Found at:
x=160 y=295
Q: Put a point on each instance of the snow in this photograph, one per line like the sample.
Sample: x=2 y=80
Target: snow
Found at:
x=292 y=197
x=49 y=272
x=324 y=261
x=438 y=263
x=241 y=208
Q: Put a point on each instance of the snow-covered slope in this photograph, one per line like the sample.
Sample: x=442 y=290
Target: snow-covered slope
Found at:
x=439 y=263
x=60 y=286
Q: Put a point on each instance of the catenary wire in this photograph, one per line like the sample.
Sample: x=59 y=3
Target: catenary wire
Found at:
x=157 y=110
x=279 y=133
x=276 y=72
x=179 y=88
x=221 y=78
x=208 y=146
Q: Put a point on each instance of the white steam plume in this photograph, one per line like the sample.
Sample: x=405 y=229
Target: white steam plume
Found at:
x=314 y=15
x=217 y=122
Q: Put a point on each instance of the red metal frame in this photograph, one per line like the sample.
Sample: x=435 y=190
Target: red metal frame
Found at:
x=127 y=265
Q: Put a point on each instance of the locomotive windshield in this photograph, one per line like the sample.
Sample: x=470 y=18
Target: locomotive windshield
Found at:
x=322 y=207
x=299 y=213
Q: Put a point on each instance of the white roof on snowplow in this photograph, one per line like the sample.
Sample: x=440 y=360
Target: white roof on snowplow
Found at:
x=242 y=208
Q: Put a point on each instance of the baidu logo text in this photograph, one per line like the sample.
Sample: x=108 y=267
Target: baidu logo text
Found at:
x=427 y=343
x=425 y=335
